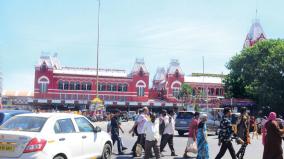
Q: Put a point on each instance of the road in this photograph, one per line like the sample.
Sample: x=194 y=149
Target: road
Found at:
x=254 y=150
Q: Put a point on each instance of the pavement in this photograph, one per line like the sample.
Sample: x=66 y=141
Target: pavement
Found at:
x=254 y=150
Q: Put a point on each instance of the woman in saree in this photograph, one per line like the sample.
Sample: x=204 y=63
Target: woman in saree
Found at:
x=202 y=144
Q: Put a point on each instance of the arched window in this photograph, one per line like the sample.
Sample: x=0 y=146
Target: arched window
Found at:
x=176 y=88
x=43 y=84
x=77 y=86
x=89 y=86
x=60 y=85
x=66 y=85
x=140 y=88
x=124 y=88
x=113 y=87
x=84 y=86
x=102 y=87
x=72 y=86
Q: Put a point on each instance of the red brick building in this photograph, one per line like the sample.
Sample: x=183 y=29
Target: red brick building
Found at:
x=61 y=87
x=58 y=85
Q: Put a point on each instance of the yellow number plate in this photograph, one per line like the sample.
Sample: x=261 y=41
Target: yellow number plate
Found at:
x=7 y=147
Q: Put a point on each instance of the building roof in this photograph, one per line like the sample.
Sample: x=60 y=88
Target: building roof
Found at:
x=174 y=66
x=50 y=61
x=199 y=79
x=160 y=74
x=138 y=66
x=91 y=72
x=255 y=34
x=17 y=93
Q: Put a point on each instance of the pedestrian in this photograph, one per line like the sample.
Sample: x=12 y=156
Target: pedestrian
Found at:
x=168 y=134
x=243 y=132
x=225 y=135
x=192 y=134
x=273 y=139
x=115 y=127
x=139 y=125
x=263 y=130
x=151 y=129
x=202 y=143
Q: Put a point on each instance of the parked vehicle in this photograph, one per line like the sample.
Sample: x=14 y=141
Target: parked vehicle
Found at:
x=7 y=114
x=183 y=120
x=53 y=136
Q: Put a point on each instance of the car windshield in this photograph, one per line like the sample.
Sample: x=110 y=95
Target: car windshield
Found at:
x=1 y=118
x=24 y=123
x=185 y=115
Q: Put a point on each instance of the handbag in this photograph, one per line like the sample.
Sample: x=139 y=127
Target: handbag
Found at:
x=193 y=148
x=138 y=150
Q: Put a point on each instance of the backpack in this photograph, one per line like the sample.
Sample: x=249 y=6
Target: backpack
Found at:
x=162 y=127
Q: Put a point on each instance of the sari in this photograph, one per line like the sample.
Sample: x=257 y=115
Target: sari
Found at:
x=202 y=144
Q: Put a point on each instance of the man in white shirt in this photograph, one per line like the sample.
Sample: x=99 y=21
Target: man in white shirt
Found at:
x=151 y=129
x=142 y=119
x=168 y=134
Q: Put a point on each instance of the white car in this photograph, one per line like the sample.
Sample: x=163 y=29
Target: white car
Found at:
x=53 y=136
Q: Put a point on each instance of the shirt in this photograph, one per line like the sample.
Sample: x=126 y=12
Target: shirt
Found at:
x=151 y=130
x=169 y=125
x=142 y=119
x=226 y=130
x=193 y=127
x=114 y=123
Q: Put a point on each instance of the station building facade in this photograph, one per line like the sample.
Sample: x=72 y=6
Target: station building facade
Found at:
x=60 y=87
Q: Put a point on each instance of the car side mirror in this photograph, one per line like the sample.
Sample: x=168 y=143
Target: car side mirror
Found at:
x=97 y=129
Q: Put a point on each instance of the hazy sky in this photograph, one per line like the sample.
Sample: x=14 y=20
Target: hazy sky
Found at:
x=156 y=30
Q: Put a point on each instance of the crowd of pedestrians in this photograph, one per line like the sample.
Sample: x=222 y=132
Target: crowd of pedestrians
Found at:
x=155 y=131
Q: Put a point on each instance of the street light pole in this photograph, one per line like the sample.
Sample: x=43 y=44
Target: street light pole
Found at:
x=98 y=45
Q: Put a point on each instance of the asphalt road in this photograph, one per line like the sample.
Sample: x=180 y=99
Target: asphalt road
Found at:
x=254 y=150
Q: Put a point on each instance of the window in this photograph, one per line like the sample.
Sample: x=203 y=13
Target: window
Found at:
x=140 y=91
x=113 y=87
x=140 y=88
x=84 y=86
x=84 y=125
x=102 y=87
x=60 y=85
x=72 y=86
x=77 y=86
x=108 y=87
x=43 y=87
x=122 y=87
x=66 y=85
x=43 y=84
x=176 y=92
x=24 y=123
x=64 y=126
x=89 y=86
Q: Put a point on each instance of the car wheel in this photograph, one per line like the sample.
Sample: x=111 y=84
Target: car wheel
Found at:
x=59 y=157
x=180 y=133
x=107 y=152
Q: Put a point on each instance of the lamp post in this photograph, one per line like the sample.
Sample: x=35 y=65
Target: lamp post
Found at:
x=98 y=44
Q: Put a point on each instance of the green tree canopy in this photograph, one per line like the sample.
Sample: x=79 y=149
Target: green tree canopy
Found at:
x=185 y=91
x=258 y=73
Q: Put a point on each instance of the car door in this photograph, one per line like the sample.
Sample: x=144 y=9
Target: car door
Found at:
x=69 y=140
x=92 y=145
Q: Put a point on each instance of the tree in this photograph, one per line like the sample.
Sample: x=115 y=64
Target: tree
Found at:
x=258 y=73
x=185 y=93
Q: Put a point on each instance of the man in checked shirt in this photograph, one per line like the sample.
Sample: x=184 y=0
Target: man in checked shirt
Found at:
x=225 y=135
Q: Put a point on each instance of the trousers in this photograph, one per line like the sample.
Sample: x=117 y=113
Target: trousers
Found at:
x=226 y=145
x=115 y=138
x=167 y=139
x=148 y=149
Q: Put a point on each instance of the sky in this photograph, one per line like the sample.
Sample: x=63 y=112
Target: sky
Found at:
x=156 y=30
